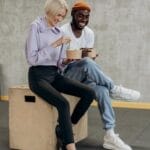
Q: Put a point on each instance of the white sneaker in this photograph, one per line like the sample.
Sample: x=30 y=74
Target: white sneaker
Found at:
x=120 y=92
x=114 y=142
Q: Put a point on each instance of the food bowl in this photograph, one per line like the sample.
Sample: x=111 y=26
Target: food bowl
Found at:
x=74 y=54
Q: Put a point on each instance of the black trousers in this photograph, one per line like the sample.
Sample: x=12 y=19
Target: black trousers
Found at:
x=46 y=82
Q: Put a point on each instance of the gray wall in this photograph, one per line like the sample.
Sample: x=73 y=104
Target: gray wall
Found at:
x=122 y=39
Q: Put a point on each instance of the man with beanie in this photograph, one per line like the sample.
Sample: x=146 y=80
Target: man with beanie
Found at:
x=87 y=71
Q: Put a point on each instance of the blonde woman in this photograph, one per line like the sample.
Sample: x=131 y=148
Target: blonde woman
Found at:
x=45 y=54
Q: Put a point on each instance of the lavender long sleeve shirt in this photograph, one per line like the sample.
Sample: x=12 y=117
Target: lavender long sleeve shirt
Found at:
x=38 y=45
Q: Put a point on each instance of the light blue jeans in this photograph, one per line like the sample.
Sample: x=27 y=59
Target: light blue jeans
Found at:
x=89 y=72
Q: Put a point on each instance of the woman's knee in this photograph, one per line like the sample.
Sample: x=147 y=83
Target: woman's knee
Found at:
x=63 y=106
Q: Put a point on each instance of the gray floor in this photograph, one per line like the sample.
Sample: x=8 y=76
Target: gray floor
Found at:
x=132 y=125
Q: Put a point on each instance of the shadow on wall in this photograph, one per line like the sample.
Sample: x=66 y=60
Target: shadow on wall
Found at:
x=1 y=81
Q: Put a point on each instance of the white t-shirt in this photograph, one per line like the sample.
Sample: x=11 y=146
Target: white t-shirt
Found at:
x=86 y=40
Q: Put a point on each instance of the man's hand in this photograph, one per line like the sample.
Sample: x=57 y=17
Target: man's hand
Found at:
x=60 y=41
x=95 y=56
x=85 y=51
x=89 y=52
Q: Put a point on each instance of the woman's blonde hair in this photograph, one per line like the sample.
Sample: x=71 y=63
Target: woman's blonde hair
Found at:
x=53 y=6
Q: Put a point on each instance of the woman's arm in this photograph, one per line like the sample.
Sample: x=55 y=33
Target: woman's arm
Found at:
x=36 y=56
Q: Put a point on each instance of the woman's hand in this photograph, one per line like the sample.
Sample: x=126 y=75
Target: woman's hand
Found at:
x=67 y=61
x=60 y=41
x=66 y=39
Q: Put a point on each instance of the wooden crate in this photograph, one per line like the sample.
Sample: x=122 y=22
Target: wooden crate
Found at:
x=32 y=121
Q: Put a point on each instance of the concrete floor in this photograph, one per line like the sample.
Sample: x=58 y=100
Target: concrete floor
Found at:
x=132 y=125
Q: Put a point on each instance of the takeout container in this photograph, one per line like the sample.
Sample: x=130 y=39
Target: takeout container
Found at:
x=78 y=54
x=74 y=54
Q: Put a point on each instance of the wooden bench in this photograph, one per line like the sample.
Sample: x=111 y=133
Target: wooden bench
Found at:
x=32 y=121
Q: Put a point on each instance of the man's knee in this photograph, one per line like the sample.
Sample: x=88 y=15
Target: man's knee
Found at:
x=102 y=92
x=87 y=60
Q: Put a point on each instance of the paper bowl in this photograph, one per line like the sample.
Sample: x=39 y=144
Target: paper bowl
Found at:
x=74 y=54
